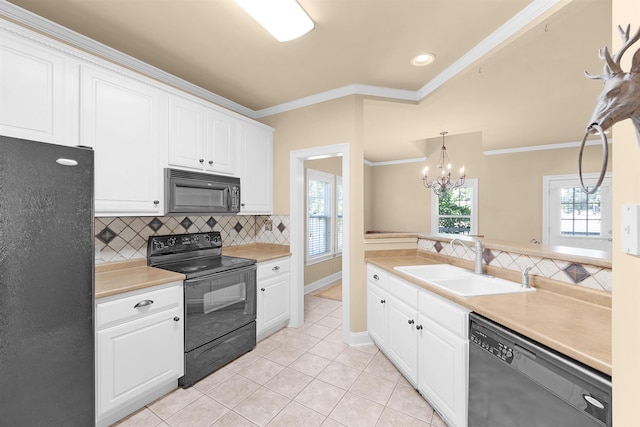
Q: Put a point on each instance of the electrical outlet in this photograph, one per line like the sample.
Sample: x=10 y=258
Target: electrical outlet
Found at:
x=268 y=225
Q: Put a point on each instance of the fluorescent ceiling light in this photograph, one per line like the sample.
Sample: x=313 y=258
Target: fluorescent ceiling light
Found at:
x=284 y=19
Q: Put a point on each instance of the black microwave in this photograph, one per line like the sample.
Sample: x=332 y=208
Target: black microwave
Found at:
x=200 y=193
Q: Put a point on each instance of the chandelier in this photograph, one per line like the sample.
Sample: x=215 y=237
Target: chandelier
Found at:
x=443 y=183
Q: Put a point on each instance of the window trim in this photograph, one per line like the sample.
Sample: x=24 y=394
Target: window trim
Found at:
x=338 y=182
x=547 y=181
x=469 y=183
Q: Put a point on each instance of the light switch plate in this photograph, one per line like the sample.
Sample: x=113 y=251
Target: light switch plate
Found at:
x=630 y=233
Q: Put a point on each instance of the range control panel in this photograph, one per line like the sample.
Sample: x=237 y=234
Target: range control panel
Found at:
x=184 y=242
x=491 y=345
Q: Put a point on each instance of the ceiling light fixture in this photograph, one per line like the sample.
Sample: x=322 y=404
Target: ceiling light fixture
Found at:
x=284 y=19
x=443 y=184
x=422 y=59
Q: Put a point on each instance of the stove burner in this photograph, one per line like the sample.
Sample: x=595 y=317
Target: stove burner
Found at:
x=193 y=267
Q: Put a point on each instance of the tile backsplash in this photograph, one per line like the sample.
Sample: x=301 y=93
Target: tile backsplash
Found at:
x=123 y=238
x=589 y=276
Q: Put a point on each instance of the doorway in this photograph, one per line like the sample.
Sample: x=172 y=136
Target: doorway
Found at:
x=297 y=242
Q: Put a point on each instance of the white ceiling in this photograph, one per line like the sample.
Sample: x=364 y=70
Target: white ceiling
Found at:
x=528 y=91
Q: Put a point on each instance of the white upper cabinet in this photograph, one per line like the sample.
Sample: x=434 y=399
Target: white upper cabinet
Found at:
x=122 y=119
x=38 y=92
x=201 y=138
x=256 y=169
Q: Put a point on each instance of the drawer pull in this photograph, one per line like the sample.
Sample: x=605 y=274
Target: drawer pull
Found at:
x=382 y=301
x=411 y=322
x=176 y=319
x=276 y=268
x=143 y=303
x=375 y=276
x=262 y=289
x=419 y=327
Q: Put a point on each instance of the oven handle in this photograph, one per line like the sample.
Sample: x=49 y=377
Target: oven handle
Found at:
x=219 y=275
x=143 y=303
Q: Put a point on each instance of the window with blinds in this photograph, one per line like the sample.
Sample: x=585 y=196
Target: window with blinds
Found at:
x=324 y=216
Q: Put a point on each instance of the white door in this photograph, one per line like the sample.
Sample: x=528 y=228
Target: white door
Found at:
x=186 y=133
x=220 y=143
x=273 y=302
x=571 y=217
x=256 y=166
x=443 y=370
x=401 y=338
x=377 y=314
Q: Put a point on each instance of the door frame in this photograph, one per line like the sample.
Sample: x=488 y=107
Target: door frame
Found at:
x=296 y=220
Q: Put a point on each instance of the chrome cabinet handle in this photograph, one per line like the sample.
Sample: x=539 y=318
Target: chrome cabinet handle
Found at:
x=411 y=322
x=262 y=289
x=382 y=301
x=210 y=162
x=156 y=202
x=143 y=303
x=376 y=277
x=276 y=268
x=201 y=161
x=176 y=319
x=419 y=327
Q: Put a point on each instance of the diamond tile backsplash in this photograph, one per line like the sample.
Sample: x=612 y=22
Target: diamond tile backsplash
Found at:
x=589 y=276
x=123 y=238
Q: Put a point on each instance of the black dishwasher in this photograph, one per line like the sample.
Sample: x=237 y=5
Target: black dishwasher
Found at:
x=514 y=381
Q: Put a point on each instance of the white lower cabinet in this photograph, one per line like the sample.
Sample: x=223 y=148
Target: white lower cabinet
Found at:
x=425 y=336
x=273 y=308
x=377 y=306
x=139 y=349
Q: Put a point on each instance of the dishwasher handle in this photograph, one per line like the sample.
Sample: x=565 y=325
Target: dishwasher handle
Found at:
x=524 y=352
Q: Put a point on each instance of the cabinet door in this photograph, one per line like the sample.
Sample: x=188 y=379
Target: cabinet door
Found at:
x=402 y=344
x=256 y=169
x=186 y=133
x=121 y=119
x=135 y=357
x=443 y=371
x=273 y=303
x=220 y=143
x=377 y=314
x=38 y=93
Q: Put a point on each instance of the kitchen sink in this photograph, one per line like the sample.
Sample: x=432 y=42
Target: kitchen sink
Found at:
x=460 y=281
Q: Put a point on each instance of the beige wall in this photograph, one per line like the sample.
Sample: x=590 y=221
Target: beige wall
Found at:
x=626 y=268
x=334 y=122
x=509 y=186
x=320 y=270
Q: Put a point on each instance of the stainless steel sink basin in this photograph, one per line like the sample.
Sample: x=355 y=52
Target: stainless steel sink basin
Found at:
x=460 y=281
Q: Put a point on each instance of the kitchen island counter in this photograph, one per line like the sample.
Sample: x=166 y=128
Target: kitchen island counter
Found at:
x=578 y=328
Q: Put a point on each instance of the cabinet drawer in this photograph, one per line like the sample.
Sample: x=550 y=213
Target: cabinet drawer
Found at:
x=404 y=291
x=148 y=303
x=378 y=276
x=275 y=268
x=445 y=313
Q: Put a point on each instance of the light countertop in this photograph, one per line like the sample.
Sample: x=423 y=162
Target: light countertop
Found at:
x=574 y=327
x=124 y=276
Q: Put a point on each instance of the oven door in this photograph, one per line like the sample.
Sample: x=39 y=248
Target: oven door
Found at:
x=218 y=304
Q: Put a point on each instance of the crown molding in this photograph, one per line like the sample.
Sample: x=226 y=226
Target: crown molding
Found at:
x=530 y=148
x=395 y=162
x=535 y=10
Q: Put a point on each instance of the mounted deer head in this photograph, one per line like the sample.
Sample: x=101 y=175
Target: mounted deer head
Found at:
x=620 y=98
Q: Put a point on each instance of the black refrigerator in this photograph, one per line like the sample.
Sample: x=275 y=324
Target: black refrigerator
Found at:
x=46 y=285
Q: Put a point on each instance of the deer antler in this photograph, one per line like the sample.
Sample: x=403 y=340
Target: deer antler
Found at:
x=612 y=64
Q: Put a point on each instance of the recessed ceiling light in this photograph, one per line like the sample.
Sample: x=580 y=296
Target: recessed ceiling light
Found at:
x=423 y=59
x=284 y=19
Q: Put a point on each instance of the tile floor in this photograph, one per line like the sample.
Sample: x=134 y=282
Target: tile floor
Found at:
x=297 y=377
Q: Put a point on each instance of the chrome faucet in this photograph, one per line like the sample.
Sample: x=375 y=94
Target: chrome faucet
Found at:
x=525 y=277
x=478 y=250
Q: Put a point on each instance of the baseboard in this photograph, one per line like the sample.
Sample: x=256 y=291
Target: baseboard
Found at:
x=358 y=339
x=318 y=284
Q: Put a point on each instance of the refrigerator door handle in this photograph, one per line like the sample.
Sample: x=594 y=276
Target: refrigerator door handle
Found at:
x=143 y=303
